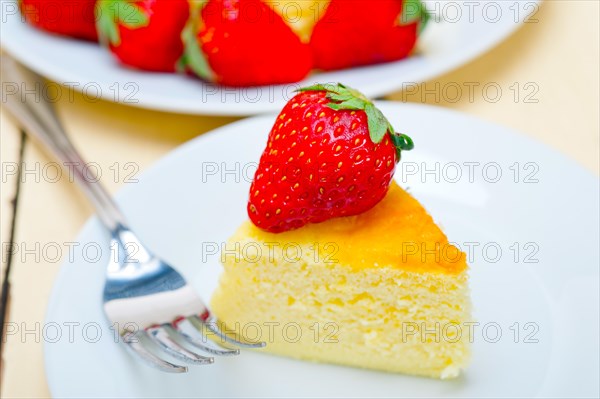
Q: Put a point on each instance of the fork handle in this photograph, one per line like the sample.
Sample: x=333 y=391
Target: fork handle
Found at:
x=39 y=119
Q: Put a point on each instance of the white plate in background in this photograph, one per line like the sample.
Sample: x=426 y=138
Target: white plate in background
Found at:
x=469 y=29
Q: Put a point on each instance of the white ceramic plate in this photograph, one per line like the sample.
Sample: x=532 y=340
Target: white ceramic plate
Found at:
x=197 y=194
x=469 y=30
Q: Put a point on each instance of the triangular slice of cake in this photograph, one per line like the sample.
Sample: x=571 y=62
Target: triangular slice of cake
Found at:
x=380 y=288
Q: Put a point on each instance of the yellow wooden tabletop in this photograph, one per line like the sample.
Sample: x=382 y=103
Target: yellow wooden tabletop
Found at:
x=557 y=58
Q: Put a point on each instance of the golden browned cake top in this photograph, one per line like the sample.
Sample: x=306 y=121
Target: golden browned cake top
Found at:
x=397 y=232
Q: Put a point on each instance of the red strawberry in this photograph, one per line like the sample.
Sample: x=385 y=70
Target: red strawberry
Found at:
x=330 y=153
x=387 y=31
x=73 y=18
x=245 y=43
x=144 y=34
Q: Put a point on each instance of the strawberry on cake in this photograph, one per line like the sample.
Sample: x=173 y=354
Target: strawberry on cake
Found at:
x=341 y=253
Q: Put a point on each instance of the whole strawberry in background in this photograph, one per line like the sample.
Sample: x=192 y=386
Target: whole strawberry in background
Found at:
x=361 y=32
x=331 y=153
x=144 y=34
x=244 y=43
x=74 y=18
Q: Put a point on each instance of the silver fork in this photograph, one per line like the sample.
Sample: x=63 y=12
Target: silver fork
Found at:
x=150 y=303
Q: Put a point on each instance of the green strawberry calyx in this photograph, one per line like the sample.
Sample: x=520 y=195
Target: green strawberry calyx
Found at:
x=346 y=98
x=110 y=14
x=414 y=11
x=193 y=58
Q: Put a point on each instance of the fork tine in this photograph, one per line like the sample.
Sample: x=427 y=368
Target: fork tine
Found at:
x=160 y=335
x=132 y=340
x=181 y=324
x=212 y=324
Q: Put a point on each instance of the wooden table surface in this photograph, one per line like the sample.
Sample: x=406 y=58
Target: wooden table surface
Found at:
x=558 y=57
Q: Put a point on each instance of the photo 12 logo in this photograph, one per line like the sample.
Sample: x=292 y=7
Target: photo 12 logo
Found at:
x=471 y=92
x=468 y=172
x=53 y=92
x=253 y=252
x=53 y=172
x=482 y=12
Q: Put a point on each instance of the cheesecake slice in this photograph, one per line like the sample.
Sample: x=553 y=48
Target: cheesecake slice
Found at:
x=382 y=290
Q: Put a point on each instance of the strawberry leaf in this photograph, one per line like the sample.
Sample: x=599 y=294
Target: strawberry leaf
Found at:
x=319 y=87
x=414 y=11
x=339 y=96
x=335 y=106
x=112 y=13
x=356 y=93
x=402 y=143
x=193 y=57
x=130 y=15
x=347 y=98
x=353 y=103
x=108 y=31
x=378 y=124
